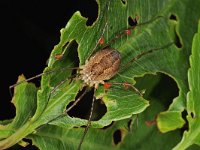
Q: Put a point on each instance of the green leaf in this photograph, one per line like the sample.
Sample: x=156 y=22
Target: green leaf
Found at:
x=24 y=94
x=192 y=136
x=174 y=121
x=25 y=103
x=145 y=136
x=134 y=135
x=117 y=108
x=185 y=37
x=155 y=31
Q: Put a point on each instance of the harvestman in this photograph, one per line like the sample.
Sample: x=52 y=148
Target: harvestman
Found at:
x=100 y=67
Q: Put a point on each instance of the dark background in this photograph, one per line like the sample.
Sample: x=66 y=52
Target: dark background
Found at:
x=29 y=31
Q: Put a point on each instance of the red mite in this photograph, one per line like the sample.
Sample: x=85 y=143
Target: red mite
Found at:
x=126 y=85
x=107 y=85
x=58 y=56
x=101 y=41
x=127 y=32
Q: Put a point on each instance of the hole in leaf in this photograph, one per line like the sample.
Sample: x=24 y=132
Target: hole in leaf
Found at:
x=160 y=86
x=173 y=17
x=184 y=115
x=132 y=122
x=108 y=126
x=177 y=37
x=99 y=110
x=177 y=40
x=132 y=22
x=69 y=59
x=166 y=90
x=117 y=136
x=83 y=108
x=123 y=1
x=28 y=147
x=65 y=45
x=192 y=114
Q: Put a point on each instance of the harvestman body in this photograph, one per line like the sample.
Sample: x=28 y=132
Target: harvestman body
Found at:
x=102 y=66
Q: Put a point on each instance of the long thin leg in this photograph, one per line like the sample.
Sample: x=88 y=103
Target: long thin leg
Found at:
x=88 y=123
x=126 y=85
x=146 y=52
x=66 y=111
x=104 y=29
x=61 y=83
x=76 y=101
x=126 y=32
x=26 y=80
x=39 y=75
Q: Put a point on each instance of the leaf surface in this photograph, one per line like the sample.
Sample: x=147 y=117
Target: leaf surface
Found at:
x=160 y=23
x=192 y=136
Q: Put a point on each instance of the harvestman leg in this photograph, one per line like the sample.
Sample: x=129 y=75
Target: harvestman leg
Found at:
x=88 y=123
x=128 y=30
x=39 y=75
x=127 y=85
x=147 y=52
x=66 y=111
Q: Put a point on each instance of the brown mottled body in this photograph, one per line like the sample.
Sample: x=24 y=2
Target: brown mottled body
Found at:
x=103 y=65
